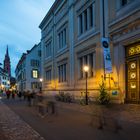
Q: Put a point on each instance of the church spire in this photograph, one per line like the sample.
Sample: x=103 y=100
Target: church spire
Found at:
x=7 y=52
x=7 y=65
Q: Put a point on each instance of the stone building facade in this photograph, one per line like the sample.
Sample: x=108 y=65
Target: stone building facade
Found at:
x=71 y=37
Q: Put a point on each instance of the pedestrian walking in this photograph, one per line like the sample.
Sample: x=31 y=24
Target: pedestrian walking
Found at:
x=13 y=94
x=20 y=95
x=29 y=97
x=8 y=92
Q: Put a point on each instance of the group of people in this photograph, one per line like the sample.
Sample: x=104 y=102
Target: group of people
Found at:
x=9 y=93
x=28 y=95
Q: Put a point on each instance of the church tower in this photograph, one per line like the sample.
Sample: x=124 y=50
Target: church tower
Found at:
x=7 y=65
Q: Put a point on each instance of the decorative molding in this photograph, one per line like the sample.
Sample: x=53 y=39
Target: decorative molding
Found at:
x=126 y=30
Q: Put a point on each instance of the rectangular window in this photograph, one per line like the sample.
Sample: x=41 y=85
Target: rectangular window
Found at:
x=86 y=60
x=35 y=73
x=62 y=73
x=85 y=20
x=91 y=64
x=34 y=85
x=124 y=2
x=81 y=67
x=91 y=16
x=62 y=38
x=48 y=49
x=81 y=24
x=34 y=63
x=48 y=75
x=86 y=23
x=39 y=53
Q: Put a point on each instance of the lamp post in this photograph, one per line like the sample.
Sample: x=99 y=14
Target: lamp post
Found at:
x=86 y=68
x=41 y=80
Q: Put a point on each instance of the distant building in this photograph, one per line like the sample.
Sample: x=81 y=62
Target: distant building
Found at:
x=28 y=70
x=72 y=35
x=7 y=63
x=4 y=80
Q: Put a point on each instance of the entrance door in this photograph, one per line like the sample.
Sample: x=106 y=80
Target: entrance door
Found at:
x=133 y=74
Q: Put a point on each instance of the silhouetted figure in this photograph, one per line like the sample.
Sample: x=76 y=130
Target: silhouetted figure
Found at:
x=8 y=94
x=13 y=94
x=20 y=95
x=29 y=95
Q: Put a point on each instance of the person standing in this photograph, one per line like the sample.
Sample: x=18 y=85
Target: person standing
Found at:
x=8 y=93
x=13 y=94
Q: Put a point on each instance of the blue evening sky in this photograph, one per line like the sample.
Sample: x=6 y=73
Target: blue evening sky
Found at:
x=19 y=21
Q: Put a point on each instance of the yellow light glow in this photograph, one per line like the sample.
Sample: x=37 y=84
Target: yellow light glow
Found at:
x=133 y=75
x=133 y=65
x=86 y=68
x=133 y=85
x=2 y=86
x=40 y=79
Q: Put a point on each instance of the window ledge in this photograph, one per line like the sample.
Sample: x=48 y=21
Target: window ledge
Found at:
x=62 y=51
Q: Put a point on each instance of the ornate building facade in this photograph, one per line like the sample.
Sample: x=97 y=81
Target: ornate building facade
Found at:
x=71 y=37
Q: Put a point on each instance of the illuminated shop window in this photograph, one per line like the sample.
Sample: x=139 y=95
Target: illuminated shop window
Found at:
x=35 y=73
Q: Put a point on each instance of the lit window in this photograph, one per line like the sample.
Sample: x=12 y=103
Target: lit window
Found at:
x=87 y=60
x=35 y=74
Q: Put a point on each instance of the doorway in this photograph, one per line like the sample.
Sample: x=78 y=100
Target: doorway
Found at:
x=133 y=73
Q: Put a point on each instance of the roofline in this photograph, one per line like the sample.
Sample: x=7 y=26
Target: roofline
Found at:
x=49 y=12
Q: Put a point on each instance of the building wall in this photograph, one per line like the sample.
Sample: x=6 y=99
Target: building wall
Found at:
x=4 y=81
x=124 y=30
x=24 y=74
x=121 y=26
x=32 y=58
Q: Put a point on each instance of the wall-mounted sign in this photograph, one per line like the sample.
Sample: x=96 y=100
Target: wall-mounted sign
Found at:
x=107 y=56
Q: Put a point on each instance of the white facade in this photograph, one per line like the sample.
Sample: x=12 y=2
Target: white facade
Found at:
x=33 y=68
x=4 y=80
x=28 y=71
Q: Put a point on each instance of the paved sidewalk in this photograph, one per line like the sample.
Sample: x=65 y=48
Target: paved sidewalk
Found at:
x=12 y=127
x=126 y=112
x=73 y=122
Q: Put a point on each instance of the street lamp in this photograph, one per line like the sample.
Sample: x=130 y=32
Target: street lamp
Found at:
x=41 y=80
x=86 y=68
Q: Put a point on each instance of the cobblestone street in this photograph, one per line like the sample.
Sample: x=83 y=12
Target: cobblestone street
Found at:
x=14 y=128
